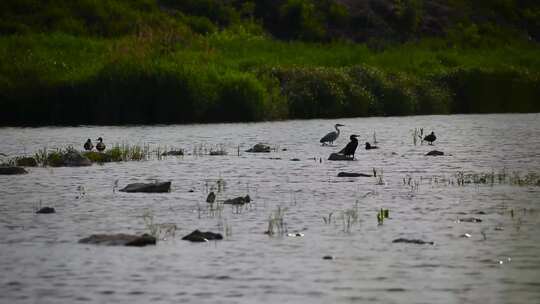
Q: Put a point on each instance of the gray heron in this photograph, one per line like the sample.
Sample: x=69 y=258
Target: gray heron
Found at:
x=332 y=136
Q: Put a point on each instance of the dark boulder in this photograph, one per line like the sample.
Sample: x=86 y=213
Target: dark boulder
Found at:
x=241 y=200
x=26 y=162
x=173 y=153
x=46 y=210
x=338 y=156
x=470 y=220
x=148 y=187
x=119 y=240
x=259 y=148
x=435 y=153
x=75 y=159
x=12 y=170
x=412 y=241
x=199 y=236
x=353 y=174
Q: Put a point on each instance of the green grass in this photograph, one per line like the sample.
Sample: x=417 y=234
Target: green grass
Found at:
x=239 y=74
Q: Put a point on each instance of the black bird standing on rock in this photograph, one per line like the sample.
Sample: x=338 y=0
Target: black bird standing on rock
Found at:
x=350 y=148
x=88 y=146
x=100 y=146
x=430 y=138
x=369 y=146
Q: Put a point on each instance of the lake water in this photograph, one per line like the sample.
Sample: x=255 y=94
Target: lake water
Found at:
x=42 y=262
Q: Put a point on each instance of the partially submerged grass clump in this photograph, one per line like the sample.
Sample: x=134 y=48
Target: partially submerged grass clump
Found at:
x=276 y=222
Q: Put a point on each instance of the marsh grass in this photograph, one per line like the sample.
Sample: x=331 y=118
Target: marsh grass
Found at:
x=276 y=222
x=159 y=231
x=350 y=217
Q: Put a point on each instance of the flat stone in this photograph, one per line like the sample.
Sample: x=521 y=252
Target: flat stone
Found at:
x=412 y=241
x=337 y=156
x=119 y=240
x=148 y=187
x=46 y=210
x=435 y=153
x=353 y=174
x=241 y=200
x=470 y=220
x=26 y=162
x=259 y=148
x=199 y=236
x=12 y=170
x=173 y=153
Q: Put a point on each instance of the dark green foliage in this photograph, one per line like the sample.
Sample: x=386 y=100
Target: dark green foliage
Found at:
x=178 y=61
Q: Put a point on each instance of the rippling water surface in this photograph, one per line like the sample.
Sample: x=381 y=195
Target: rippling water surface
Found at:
x=41 y=261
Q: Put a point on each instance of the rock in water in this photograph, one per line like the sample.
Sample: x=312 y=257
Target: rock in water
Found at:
x=259 y=148
x=173 y=153
x=337 y=156
x=46 y=210
x=241 y=200
x=198 y=236
x=75 y=159
x=26 y=162
x=119 y=240
x=148 y=187
x=412 y=241
x=11 y=170
x=353 y=174
x=435 y=153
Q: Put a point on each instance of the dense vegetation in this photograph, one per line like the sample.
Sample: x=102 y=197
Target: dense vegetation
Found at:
x=177 y=61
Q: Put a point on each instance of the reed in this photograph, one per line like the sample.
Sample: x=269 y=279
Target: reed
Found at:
x=276 y=222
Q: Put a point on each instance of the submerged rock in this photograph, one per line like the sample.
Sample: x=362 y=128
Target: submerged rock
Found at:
x=218 y=153
x=435 y=153
x=46 y=210
x=470 y=220
x=12 y=170
x=259 y=148
x=329 y=257
x=337 y=156
x=74 y=159
x=412 y=241
x=119 y=240
x=26 y=162
x=241 y=200
x=199 y=236
x=353 y=174
x=173 y=153
x=148 y=187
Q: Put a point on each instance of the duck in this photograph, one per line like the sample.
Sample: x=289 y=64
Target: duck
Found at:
x=430 y=138
x=211 y=198
x=100 y=146
x=370 y=147
x=350 y=148
x=88 y=145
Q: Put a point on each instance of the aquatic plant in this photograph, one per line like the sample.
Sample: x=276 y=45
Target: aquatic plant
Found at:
x=350 y=217
x=276 y=222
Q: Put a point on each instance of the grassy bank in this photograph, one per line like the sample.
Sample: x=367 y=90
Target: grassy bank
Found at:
x=239 y=74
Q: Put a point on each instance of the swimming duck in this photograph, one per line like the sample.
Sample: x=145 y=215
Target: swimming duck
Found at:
x=100 y=146
x=88 y=146
x=369 y=146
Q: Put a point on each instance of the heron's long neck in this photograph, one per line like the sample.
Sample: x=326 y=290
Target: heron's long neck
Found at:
x=337 y=129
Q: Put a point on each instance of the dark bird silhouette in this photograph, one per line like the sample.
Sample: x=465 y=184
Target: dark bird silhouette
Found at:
x=100 y=146
x=369 y=146
x=211 y=198
x=332 y=136
x=430 y=138
x=88 y=146
x=350 y=148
